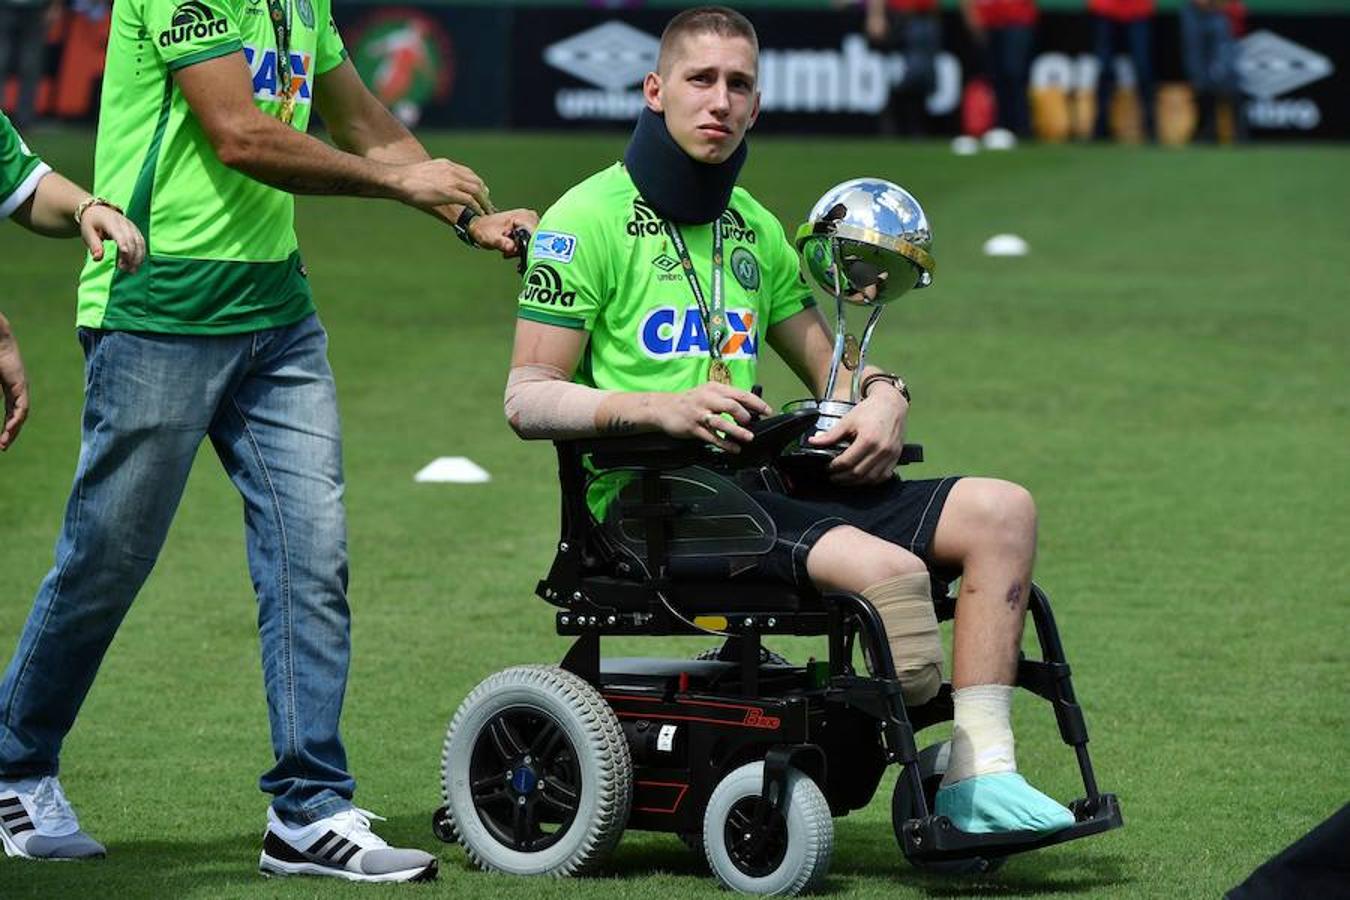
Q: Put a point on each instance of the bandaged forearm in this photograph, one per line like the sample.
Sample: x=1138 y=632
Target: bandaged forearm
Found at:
x=541 y=403
x=905 y=604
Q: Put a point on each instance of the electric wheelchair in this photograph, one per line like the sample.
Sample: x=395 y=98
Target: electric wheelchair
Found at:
x=741 y=753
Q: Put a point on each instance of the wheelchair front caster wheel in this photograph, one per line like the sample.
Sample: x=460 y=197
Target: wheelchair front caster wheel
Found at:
x=537 y=775
x=442 y=827
x=790 y=856
x=932 y=766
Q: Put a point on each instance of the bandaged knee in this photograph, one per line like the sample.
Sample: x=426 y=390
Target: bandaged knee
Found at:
x=905 y=604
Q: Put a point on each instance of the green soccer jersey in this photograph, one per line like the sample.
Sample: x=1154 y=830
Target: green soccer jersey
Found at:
x=221 y=249
x=20 y=170
x=602 y=261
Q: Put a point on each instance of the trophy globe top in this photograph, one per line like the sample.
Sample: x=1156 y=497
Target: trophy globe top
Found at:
x=867 y=241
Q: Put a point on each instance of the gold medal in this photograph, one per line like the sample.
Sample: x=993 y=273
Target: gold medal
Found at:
x=719 y=372
x=287 y=114
x=852 y=352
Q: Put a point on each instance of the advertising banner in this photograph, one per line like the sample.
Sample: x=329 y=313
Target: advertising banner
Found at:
x=583 y=69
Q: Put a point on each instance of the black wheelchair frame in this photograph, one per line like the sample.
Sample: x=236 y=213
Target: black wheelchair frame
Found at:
x=837 y=725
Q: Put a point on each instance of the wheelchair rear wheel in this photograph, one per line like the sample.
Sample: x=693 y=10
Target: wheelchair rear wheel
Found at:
x=536 y=773
x=932 y=766
x=790 y=856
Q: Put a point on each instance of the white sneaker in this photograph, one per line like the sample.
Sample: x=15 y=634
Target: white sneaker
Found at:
x=36 y=822
x=340 y=846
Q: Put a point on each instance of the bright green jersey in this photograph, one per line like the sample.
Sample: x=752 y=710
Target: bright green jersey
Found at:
x=602 y=261
x=20 y=170
x=222 y=255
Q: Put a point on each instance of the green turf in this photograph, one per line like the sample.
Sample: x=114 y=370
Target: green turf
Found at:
x=1167 y=371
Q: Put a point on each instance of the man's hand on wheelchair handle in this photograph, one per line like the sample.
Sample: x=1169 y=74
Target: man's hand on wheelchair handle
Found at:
x=875 y=432
x=698 y=413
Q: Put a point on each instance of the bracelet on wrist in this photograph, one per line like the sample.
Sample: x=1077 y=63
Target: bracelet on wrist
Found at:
x=890 y=378
x=87 y=202
x=466 y=216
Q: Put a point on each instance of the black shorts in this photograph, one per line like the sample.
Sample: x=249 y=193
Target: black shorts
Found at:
x=903 y=512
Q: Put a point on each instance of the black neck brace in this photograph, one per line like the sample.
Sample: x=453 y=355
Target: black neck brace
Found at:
x=677 y=186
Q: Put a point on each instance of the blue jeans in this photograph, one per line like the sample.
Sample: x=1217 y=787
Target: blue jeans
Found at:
x=1137 y=37
x=267 y=402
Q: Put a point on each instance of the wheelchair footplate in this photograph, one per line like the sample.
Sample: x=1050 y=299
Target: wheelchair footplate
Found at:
x=935 y=838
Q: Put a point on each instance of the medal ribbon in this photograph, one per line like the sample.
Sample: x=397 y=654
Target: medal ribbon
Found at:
x=281 y=27
x=714 y=315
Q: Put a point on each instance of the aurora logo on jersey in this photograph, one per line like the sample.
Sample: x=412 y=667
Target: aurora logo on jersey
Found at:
x=734 y=227
x=263 y=64
x=669 y=333
x=192 y=20
x=544 y=285
x=645 y=221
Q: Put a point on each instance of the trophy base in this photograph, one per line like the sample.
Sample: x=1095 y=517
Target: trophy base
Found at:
x=830 y=412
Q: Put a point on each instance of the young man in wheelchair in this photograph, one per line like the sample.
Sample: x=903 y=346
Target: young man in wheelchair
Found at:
x=624 y=303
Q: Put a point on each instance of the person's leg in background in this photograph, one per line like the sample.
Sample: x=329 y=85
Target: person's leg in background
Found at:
x=1139 y=38
x=1017 y=55
x=1104 y=49
x=32 y=55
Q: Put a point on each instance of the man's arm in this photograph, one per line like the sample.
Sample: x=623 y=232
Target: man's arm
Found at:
x=361 y=125
x=543 y=402
x=220 y=94
x=50 y=212
x=875 y=428
x=13 y=385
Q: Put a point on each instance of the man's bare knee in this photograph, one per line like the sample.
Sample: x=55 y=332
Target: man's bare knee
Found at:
x=986 y=515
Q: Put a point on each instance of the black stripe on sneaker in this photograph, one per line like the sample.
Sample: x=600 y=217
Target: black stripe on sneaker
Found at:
x=338 y=847
x=351 y=851
x=276 y=848
x=20 y=828
x=10 y=801
x=14 y=816
x=314 y=847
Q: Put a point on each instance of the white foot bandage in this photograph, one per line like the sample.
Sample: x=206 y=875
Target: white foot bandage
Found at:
x=905 y=604
x=982 y=738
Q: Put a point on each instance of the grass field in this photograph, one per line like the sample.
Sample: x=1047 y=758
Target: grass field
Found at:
x=1167 y=371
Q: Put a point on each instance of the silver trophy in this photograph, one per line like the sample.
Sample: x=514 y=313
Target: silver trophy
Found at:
x=865 y=243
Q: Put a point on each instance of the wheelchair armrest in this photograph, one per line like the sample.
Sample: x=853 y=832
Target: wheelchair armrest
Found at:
x=656 y=450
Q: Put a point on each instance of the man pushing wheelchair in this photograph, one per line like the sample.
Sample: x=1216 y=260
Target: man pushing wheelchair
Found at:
x=651 y=286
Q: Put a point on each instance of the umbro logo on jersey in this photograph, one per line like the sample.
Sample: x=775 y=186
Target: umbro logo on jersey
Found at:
x=645 y=221
x=192 y=20
x=668 y=333
x=735 y=229
x=544 y=285
x=665 y=262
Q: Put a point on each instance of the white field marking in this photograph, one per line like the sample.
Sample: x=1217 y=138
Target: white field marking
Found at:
x=456 y=469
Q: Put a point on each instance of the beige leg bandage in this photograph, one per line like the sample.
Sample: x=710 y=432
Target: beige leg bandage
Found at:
x=905 y=604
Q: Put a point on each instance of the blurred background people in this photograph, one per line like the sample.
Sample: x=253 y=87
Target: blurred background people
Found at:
x=1004 y=31
x=1127 y=25
x=912 y=27
x=23 y=49
x=1209 y=54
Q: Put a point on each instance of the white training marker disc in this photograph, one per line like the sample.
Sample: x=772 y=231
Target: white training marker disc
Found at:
x=452 y=469
x=1006 y=245
x=965 y=145
x=999 y=139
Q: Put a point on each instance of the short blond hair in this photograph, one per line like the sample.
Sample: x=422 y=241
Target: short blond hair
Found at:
x=718 y=20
